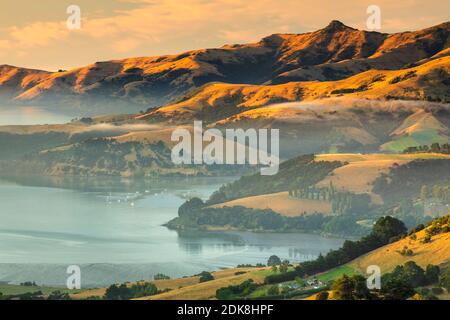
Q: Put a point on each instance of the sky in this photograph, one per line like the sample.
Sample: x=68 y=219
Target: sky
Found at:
x=34 y=34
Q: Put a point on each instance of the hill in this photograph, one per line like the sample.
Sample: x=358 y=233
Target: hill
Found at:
x=331 y=53
x=231 y=103
x=190 y=288
x=280 y=203
x=436 y=251
x=318 y=172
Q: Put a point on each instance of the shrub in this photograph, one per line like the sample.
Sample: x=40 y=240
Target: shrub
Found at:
x=273 y=291
x=322 y=295
x=273 y=261
x=160 y=276
x=437 y=291
x=206 y=276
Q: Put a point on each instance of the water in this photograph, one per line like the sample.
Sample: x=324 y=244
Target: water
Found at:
x=114 y=230
x=28 y=115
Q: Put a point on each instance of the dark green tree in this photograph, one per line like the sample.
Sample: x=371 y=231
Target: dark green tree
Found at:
x=388 y=227
x=432 y=273
x=273 y=261
x=343 y=288
x=206 y=276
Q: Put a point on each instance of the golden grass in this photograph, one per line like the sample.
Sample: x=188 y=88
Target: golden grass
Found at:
x=180 y=285
x=388 y=257
x=207 y=290
x=281 y=203
x=247 y=97
x=314 y=296
x=421 y=120
x=358 y=176
x=363 y=169
x=352 y=157
x=150 y=136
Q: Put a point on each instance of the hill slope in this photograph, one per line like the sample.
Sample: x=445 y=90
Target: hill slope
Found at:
x=332 y=53
x=436 y=252
x=236 y=102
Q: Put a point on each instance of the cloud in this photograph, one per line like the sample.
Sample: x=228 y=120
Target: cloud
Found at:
x=38 y=34
x=150 y=27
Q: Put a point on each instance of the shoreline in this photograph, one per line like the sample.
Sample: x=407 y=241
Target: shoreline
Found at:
x=212 y=229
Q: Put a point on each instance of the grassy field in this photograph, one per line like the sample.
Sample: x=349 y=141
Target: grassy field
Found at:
x=207 y=290
x=367 y=171
x=336 y=273
x=9 y=289
x=280 y=203
x=415 y=139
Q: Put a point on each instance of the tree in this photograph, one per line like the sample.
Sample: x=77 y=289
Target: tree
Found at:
x=206 y=276
x=160 y=276
x=435 y=147
x=273 y=261
x=58 y=295
x=414 y=274
x=395 y=288
x=283 y=268
x=361 y=292
x=445 y=279
x=322 y=295
x=118 y=292
x=190 y=206
x=343 y=288
x=273 y=291
x=427 y=239
x=432 y=274
x=388 y=227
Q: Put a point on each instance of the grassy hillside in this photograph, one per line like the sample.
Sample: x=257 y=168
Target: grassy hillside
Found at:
x=436 y=252
x=236 y=102
x=189 y=287
x=258 y=191
x=331 y=53
x=302 y=170
x=281 y=203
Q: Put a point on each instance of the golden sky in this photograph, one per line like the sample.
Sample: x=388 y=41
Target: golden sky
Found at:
x=34 y=33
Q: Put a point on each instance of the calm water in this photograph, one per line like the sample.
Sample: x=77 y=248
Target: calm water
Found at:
x=113 y=230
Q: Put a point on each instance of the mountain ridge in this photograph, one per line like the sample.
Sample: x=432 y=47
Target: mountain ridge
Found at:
x=328 y=54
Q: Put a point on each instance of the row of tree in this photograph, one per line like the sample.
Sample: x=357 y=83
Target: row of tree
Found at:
x=433 y=148
x=127 y=292
x=341 y=202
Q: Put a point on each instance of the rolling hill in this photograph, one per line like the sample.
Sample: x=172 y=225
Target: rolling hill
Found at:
x=329 y=54
x=436 y=252
x=231 y=103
